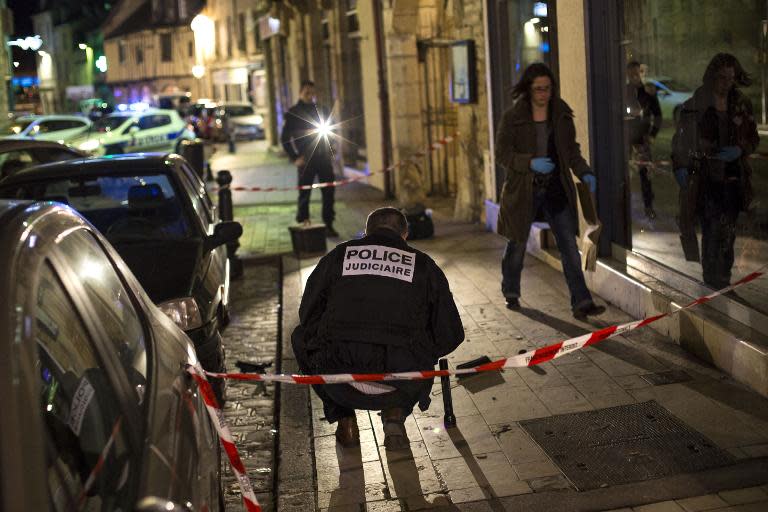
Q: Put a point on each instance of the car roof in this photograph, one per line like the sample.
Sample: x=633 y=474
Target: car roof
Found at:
x=53 y=117
x=136 y=113
x=7 y=145
x=95 y=167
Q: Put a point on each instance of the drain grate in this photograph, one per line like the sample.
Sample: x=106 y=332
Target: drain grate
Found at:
x=617 y=445
x=666 y=377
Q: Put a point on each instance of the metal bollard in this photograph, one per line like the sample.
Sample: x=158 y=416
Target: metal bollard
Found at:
x=193 y=152
x=449 y=420
x=226 y=212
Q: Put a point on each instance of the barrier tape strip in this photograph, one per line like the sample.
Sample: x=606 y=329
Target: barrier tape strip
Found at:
x=657 y=164
x=99 y=463
x=439 y=144
x=540 y=355
x=217 y=418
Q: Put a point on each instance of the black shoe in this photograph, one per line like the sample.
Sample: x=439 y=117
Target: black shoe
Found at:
x=513 y=304
x=330 y=232
x=589 y=309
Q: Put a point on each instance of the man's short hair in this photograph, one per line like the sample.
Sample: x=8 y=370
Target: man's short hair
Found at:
x=307 y=83
x=386 y=218
x=633 y=64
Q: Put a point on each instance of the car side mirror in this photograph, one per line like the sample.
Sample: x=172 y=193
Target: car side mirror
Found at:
x=224 y=233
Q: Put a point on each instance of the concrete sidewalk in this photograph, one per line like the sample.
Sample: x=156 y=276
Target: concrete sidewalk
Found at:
x=490 y=461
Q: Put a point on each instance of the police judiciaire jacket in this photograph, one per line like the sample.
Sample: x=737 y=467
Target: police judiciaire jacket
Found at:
x=379 y=291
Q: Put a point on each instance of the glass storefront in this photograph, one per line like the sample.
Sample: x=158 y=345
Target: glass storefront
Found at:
x=696 y=157
x=523 y=32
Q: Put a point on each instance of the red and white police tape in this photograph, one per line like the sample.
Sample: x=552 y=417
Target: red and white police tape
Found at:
x=217 y=418
x=346 y=181
x=540 y=355
x=667 y=164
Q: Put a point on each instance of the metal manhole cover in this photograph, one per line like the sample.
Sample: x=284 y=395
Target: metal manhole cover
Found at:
x=617 y=445
x=666 y=377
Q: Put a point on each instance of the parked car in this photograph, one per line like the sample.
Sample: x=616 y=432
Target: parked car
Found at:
x=246 y=122
x=20 y=154
x=156 y=213
x=54 y=128
x=130 y=132
x=671 y=96
x=98 y=412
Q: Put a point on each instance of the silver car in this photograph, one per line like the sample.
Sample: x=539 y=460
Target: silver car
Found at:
x=98 y=412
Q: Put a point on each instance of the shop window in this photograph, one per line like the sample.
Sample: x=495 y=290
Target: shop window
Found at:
x=690 y=118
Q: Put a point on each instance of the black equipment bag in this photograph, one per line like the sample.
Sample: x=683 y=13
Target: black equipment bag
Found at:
x=419 y=222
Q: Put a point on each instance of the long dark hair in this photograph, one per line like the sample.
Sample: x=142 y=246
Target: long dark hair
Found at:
x=725 y=60
x=522 y=89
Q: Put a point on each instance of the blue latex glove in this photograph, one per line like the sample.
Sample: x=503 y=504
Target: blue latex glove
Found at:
x=728 y=153
x=591 y=182
x=681 y=175
x=542 y=165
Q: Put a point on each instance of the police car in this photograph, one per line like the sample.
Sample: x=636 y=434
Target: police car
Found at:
x=132 y=132
x=52 y=128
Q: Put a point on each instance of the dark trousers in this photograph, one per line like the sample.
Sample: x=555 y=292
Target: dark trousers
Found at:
x=718 y=235
x=563 y=225
x=641 y=152
x=307 y=175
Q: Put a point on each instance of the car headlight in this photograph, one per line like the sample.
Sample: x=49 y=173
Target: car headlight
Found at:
x=89 y=145
x=184 y=312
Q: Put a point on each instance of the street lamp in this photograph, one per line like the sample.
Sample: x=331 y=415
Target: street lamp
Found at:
x=204 y=31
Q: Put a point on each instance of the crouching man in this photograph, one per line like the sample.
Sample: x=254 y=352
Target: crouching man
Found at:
x=375 y=305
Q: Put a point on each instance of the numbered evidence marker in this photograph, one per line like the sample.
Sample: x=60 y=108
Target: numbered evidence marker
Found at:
x=379 y=260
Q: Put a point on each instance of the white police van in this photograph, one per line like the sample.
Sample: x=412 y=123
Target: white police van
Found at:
x=131 y=132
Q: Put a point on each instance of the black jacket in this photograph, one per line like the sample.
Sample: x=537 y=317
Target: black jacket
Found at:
x=376 y=305
x=299 y=137
x=643 y=113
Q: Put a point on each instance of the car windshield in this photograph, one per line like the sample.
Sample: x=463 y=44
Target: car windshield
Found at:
x=123 y=208
x=109 y=123
x=239 y=110
x=18 y=126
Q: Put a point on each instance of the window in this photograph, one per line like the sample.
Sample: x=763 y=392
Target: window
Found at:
x=80 y=409
x=228 y=35
x=16 y=160
x=154 y=121
x=241 y=32
x=137 y=208
x=257 y=42
x=217 y=35
x=353 y=24
x=111 y=303
x=121 y=52
x=166 y=47
x=196 y=188
x=191 y=49
x=707 y=233
x=139 y=55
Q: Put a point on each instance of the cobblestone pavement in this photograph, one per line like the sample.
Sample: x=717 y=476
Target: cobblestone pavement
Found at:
x=252 y=336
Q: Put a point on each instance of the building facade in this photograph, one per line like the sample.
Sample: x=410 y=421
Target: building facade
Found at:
x=67 y=60
x=150 y=50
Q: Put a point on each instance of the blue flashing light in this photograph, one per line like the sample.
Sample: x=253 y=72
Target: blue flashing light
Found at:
x=544 y=47
x=25 y=81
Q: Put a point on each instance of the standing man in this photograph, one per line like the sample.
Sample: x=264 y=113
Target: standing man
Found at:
x=305 y=139
x=375 y=305
x=643 y=117
x=710 y=154
x=537 y=147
